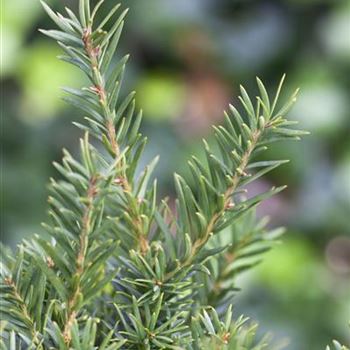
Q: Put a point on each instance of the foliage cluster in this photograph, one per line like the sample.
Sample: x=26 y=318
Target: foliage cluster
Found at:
x=120 y=269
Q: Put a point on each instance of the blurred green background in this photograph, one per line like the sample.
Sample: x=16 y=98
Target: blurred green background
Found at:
x=188 y=58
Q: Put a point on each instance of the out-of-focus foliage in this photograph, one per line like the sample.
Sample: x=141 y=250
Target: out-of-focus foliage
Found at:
x=191 y=51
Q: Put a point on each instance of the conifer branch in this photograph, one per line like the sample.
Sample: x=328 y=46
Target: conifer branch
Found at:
x=117 y=258
x=16 y=306
x=23 y=310
x=94 y=53
x=92 y=50
x=217 y=206
x=227 y=199
x=244 y=248
x=73 y=300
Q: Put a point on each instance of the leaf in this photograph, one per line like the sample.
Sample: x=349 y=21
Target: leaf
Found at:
x=274 y=103
x=108 y=17
x=66 y=39
x=52 y=277
x=110 y=49
x=60 y=21
x=264 y=97
x=247 y=104
x=82 y=12
x=145 y=177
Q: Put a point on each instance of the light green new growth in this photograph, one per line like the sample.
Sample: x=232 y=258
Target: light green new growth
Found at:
x=118 y=269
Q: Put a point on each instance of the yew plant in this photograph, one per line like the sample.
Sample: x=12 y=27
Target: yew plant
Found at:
x=118 y=269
